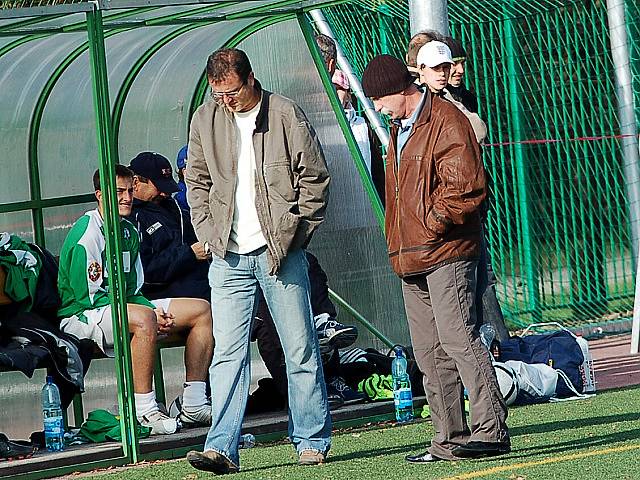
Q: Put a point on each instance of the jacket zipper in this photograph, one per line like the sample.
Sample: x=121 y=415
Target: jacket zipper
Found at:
x=271 y=242
x=396 y=176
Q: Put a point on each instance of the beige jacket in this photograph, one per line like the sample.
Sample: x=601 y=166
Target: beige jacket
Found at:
x=292 y=180
x=478 y=125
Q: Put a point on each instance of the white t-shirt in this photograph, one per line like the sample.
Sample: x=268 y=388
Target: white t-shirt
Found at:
x=361 y=134
x=246 y=233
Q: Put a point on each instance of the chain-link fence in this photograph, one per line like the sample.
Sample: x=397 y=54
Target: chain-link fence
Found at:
x=543 y=73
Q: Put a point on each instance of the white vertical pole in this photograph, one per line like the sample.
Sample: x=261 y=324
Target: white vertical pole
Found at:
x=428 y=15
x=628 y=129
x=635 y=329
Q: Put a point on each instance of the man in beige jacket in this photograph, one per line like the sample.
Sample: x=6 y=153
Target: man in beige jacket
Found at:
x=257 y=184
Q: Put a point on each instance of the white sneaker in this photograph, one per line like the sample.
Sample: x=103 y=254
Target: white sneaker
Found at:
x=159 y=423
x=197 y=417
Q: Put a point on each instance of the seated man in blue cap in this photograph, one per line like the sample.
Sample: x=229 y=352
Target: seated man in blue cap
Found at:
x=175 y=269
x=181 y=165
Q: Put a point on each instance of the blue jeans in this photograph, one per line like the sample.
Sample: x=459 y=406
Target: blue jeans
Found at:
x=234 y=284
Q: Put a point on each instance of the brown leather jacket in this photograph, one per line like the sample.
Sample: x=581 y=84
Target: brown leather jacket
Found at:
x=432 y=199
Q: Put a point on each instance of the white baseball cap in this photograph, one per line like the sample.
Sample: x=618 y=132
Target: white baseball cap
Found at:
x=433 y=54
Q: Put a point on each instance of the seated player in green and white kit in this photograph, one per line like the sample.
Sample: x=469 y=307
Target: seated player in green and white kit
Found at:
x=86 y=313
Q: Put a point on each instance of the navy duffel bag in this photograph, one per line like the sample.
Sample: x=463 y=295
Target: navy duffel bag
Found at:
x=559 y=350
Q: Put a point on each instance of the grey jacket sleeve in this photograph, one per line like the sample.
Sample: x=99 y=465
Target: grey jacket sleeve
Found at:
x=198 y=180
x=313 y=179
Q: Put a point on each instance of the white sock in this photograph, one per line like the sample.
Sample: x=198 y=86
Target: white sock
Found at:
x=320 y=319
x=145 y=403
x=194 y=395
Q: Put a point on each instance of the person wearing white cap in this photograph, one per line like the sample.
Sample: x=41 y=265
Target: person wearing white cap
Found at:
x=434 y=65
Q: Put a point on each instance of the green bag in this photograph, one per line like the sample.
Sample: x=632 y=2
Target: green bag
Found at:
x=103 y=426
x=377 y=387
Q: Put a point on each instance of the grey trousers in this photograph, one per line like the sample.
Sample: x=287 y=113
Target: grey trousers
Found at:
x=441 y=309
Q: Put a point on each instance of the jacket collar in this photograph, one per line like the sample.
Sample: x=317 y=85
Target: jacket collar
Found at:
x=262 y=120
x=425 y=113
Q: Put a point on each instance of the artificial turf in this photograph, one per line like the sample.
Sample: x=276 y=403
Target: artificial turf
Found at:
x=593 y=439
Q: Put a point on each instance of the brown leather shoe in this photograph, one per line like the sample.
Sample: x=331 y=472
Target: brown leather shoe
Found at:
x=212 y=461
x=311 y=457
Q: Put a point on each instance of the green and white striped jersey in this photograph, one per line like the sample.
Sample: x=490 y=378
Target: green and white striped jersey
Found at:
x=82 y=277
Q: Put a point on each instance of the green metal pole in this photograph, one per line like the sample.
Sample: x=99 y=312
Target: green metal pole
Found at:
x=549 y=104
x=113 y=236
x=522 y=182
x=360 y=318
x=382 y=28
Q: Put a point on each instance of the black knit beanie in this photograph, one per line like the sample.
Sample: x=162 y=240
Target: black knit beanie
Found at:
x=385 y=75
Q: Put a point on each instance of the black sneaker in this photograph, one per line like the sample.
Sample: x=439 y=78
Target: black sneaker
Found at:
x=477 y=449
x=334 y=398
x=348 y=394
x=333 y=334
x=13 y=450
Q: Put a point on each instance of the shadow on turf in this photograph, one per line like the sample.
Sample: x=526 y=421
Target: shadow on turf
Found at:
x=589 y=442
x=571 y=445
x=398 y=450
x=576 y=423
x=594 y=441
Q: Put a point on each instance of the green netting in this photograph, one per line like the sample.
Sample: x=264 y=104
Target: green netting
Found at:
x=632 y=14
x=558 y=228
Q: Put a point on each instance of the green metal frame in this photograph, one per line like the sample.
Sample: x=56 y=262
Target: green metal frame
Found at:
x=522 y=183
x=113 y=237
x=107 y=126
x=34 y=127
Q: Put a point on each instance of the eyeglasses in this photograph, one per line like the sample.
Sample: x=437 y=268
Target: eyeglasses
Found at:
x=231 y=94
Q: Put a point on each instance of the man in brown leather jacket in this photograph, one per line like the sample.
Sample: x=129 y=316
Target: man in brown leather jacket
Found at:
x=435 y=183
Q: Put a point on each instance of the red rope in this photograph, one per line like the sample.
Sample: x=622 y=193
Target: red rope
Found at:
x=538 y=141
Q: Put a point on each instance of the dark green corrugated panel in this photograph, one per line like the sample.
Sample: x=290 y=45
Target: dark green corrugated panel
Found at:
x=576 y=260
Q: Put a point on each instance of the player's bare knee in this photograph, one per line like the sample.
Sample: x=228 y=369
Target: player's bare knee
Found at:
x=142 y=321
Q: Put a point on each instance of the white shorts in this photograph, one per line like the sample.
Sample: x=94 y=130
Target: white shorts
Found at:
x=99 y=325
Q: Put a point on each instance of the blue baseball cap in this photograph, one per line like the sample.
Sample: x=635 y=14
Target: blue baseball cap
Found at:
x=156 y=168
x=181 y=161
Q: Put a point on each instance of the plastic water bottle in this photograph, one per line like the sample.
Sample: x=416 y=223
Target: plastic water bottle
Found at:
x=487 y=335
x=402 y=396
x=488 y=339
x=52 y=415
x=247 y=441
